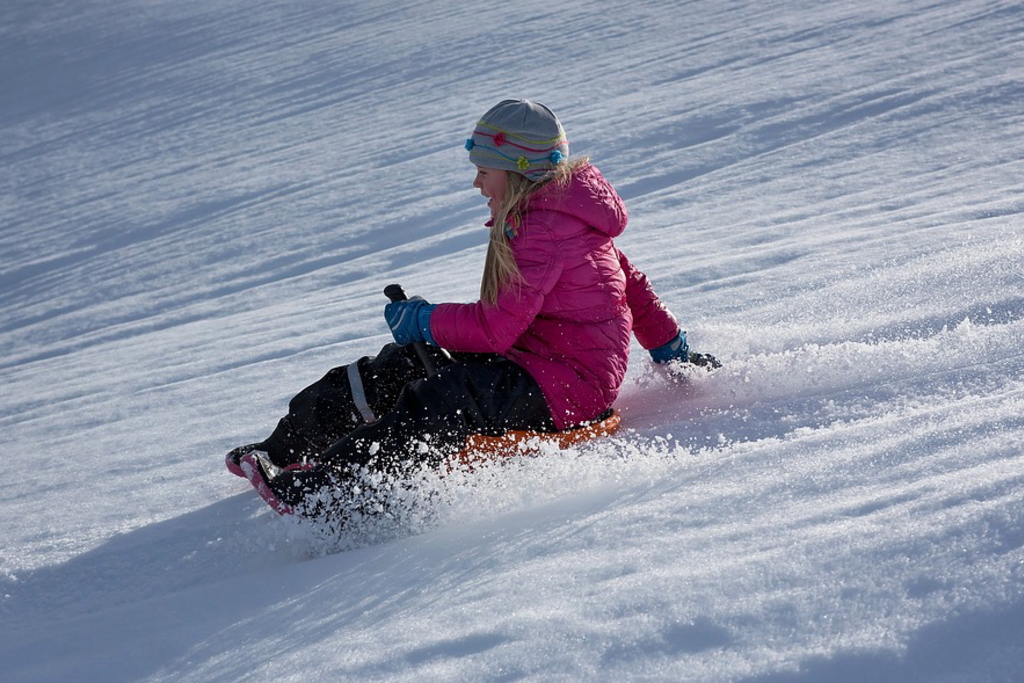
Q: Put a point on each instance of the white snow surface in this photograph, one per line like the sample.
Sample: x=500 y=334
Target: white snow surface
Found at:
x=201 y=202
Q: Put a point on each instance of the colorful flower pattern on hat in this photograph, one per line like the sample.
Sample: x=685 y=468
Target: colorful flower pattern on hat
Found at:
x=519 y=136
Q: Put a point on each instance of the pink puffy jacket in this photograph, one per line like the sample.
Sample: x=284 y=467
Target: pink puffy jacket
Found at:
x=568 y=323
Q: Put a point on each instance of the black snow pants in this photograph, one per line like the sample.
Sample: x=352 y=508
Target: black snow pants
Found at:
x=384 y=411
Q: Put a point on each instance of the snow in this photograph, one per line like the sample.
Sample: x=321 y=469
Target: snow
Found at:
x=201 y=203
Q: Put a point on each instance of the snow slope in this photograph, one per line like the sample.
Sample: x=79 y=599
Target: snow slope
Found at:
x=201 y=202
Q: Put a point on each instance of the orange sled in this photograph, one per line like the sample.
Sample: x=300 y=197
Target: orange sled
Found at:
x=483 y=448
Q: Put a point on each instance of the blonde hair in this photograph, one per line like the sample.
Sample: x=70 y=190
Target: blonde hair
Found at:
x=500 y=269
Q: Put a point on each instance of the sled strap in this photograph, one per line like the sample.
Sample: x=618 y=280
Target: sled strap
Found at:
x=359 y=394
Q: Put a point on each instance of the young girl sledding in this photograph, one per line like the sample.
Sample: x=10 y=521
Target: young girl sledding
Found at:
x=544 y=349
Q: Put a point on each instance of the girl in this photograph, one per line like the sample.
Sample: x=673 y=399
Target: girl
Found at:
x=544 y=349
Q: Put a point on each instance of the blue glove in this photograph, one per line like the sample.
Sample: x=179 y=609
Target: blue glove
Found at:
x=676 y=349
x=409 y=320
x=679 y=350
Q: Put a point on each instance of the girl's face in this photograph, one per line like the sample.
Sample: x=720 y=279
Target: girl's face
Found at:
x=492 y=183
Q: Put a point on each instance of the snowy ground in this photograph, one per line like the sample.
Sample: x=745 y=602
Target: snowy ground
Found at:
x=200 y=202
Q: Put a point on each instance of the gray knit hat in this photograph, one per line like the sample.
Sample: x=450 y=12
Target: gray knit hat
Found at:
x=520 y=136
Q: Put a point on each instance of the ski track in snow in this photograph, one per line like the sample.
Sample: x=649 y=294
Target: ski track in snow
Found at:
x=202 y=201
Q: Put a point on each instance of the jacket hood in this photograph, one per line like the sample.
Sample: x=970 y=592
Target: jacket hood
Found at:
x=587 y=197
